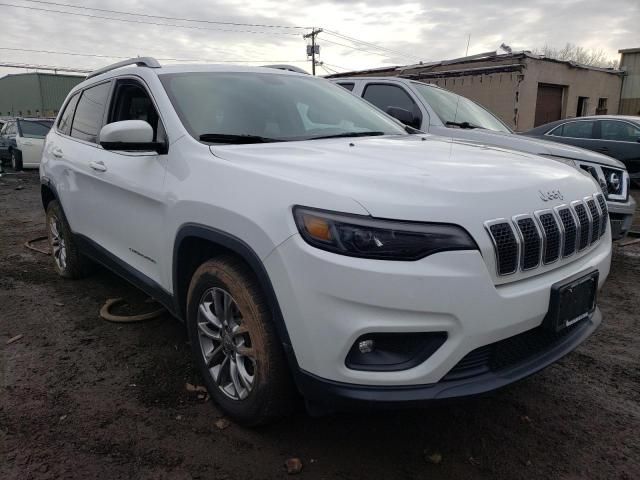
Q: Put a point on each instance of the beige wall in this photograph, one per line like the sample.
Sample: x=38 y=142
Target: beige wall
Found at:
x=578 y=82
x=496 y=92
x=512 y=96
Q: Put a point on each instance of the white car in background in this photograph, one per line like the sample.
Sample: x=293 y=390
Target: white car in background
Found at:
x=22 y=141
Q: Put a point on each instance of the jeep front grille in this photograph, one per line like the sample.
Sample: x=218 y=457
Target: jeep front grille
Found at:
x=595 y=219
x=552 y=237
x=605 y=213
x=506 y=243
x=585 y=225
x=527 y=241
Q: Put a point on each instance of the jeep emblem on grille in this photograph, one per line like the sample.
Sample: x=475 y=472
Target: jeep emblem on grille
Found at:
x=550 y=195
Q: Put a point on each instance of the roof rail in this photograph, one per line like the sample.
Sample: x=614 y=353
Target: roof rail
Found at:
x=149 y=62
x=290 y=68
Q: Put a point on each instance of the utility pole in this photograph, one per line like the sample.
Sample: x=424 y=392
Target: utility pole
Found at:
x=313 y=49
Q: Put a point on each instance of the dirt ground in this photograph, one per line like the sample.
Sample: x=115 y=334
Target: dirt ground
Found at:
x=84 y=398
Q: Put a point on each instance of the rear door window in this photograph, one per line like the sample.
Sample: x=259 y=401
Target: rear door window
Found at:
x=90 y=113
x=582 y=129
x=34 y=129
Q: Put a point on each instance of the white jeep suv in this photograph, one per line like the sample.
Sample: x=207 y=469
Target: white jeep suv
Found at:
x=309 y=242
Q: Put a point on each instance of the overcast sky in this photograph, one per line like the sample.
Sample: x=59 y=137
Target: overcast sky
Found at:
x=416 y=30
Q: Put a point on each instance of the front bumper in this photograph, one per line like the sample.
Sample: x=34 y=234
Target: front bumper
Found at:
x=621 y=217
x=328 y=301
x=344 y=396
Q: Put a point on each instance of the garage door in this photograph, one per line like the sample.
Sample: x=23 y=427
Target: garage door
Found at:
x=548 y=104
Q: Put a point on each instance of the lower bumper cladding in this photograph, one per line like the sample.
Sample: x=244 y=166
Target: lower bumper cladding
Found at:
x=482 y=370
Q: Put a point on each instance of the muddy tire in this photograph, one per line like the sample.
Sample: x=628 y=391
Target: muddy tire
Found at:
x=234 y=343
x=67 y=259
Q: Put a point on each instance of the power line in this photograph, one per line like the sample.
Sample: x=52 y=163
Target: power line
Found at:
x=59 y=4
x=369 y=44
x=354 y=48
x=162 y=59
x=127 y=20
x=336 y=66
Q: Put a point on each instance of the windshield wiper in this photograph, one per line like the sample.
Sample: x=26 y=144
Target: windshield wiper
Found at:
x=462 y=125
x=349 y=134
x=236 y=139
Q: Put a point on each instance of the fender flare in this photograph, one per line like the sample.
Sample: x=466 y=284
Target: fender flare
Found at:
x=244 y=251
x=46 y=182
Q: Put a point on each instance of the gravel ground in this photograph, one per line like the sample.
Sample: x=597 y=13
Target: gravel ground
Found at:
x=84 y=398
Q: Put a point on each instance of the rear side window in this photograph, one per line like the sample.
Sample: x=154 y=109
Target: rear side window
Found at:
x=90 y=113
x=385 y=96
x=64 y=124
x=582 y=129
x=348 y=86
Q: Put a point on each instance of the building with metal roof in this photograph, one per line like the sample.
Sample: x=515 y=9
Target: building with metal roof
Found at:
x=34 y=94
x=523 y=89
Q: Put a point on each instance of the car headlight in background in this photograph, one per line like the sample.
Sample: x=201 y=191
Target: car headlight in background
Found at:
x=615 y=180
x=367 y=237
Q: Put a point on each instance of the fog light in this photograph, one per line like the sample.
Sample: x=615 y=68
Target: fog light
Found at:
x=377 y=351
x=366 y=346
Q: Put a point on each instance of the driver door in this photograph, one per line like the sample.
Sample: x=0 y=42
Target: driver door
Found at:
x=129 y=186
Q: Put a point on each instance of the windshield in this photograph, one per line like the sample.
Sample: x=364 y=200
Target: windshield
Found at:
x=35 y=129
x=240 y=107
x=455 y=110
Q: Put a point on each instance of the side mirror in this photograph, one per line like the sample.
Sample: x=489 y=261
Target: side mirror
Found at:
x=130 y=135
x=403 y=116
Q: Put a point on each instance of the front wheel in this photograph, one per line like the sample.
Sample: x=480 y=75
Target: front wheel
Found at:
x=234 y=343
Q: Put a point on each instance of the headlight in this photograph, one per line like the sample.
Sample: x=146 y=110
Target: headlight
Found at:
x=367 y=237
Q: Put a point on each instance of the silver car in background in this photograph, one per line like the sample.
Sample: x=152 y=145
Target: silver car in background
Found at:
x=438 y=111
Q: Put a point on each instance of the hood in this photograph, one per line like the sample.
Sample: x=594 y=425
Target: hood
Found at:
x=529 y=144
x=408 y=178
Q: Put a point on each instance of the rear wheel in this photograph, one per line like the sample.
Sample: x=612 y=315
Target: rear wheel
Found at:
x=16 y=160
x=234 y=342
x=67 y=259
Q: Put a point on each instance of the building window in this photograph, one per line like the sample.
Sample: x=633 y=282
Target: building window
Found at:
x=583 y=102
x=602 y=106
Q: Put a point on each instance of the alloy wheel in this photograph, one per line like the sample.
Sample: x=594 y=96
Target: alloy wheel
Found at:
x=58 y=245
x=225 y=344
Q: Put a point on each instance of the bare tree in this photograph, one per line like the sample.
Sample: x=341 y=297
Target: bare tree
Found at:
x=577 y=54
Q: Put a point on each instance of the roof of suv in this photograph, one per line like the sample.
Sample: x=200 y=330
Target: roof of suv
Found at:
x=136 y=65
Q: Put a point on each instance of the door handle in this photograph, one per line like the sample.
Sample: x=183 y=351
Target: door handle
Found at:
x=57 y=152
x=98 y=166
